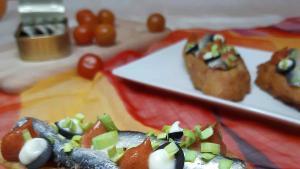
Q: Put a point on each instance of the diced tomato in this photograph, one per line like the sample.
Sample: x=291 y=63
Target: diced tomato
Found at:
x=134 y=158
x=217 y=138
x=96 y=130
x=279 y=55
x=13 y=141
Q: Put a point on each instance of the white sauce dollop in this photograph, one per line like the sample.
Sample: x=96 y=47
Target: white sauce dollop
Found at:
x=159 y=159
x=32 y=149
x=175 y=127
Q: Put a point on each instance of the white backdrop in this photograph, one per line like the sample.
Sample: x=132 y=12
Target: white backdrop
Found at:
x=199 y=13
x=216 y=14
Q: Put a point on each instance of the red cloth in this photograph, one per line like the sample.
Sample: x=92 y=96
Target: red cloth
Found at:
x=261 y=142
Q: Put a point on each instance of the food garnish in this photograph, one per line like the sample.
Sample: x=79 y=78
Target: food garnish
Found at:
x=107 y=147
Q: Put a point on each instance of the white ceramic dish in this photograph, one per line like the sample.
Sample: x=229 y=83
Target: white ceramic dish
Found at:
x=165 y=69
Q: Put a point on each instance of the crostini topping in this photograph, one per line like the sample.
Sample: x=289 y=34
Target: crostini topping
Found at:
x=289 y=66
x=220 y=37
x=216 y=54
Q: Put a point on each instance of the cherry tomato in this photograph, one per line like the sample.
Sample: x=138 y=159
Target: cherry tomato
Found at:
x=83 y=35
x=105 y=16
x=88 y=65
x=96 y=130
x=13 y=142
x=156 y=23
x=105 y=35
x=86 y=16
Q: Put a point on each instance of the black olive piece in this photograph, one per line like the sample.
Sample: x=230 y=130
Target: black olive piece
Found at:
x=65 y=133
x=50 y=31
x=211 y=37
x=193 y=49
x=41 y=159
x=175 y=135
x=38 y=32
x=23 y=34
x=288 y=70
x=179 y=156
x=211 y=59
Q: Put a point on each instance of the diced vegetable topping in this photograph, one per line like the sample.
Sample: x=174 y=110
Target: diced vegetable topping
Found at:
x=73 y=143
x=26 y=135
x=155 y=144
x=107 y=122
x=166 y=128
x=213 y=148
x=225 y=164
x=86 y=126
x=68 y=147
x=197 y=130
x=105 y=140
x=188 y=139
x=162 y=136
x=190 y=155
x=207 y=156
x=80 y=117
x=54 y=127
x=208 y=132
x=219 y=37
x=171 y=149
x=115 y=154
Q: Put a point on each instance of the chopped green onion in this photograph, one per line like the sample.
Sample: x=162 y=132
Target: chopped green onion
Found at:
x=74 y=126
x=232 y=58
x=225 y=164
x=66 y=123
x=190 y=155
x=208 y=132
x=105 y=140
x=115 y=153
x=214 y=48
x=188 y=139
x=215 y=53
x=51 y=139
x=293 y=54
x=77 y=138
x=150 y=134
x=155 y=144
x=54 y=127
x=26 y=135
x=68 y=147
x=86 y=126
x=171 y=149
x=80 y=117
x=166 y=128
x=210 y=148
x=197 y=130
x=107 y=122
x=207 y=156
x=162 y=136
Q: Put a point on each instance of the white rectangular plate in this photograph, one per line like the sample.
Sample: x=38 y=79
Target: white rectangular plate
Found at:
x=165 y=69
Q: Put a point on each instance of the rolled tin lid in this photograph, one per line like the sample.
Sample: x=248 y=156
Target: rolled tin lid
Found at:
x=41 y=11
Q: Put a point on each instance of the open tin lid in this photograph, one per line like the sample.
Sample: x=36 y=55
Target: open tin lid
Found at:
x=41 y=11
